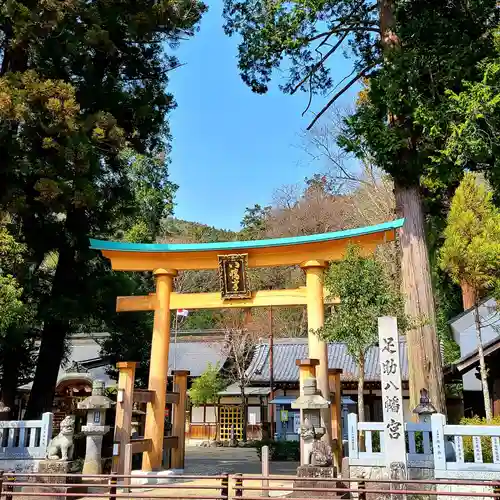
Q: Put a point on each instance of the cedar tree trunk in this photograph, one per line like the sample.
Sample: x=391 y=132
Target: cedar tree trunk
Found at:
x=468 y=296
x=54 y=333
x=424 y=353
x=10 y=379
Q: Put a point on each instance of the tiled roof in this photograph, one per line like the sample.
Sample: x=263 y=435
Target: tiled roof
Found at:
x=235 y=390
x=195 y=356
x=286 y=351
x=192 y=356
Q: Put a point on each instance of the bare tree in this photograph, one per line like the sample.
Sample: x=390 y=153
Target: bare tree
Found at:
x=371 y=192
x=242 y=335
x=197 y=281
x=315 y=210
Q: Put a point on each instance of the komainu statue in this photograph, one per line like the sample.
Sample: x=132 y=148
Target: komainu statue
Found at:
x=61 y=446
x=321 y=454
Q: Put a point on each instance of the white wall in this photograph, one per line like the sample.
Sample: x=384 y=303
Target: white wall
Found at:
x=464 y=333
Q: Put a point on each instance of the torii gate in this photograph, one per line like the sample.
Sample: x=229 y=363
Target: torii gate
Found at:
x=312 y=253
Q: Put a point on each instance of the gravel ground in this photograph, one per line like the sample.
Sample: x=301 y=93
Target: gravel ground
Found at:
x=205 y=461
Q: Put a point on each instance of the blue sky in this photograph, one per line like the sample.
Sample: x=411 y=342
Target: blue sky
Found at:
x=232 y=148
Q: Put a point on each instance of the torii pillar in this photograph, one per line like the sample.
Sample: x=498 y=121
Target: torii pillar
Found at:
x=158 y=370
x=318 y=349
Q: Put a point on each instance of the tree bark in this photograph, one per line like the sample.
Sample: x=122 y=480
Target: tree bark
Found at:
x=10 y=378
x=243 y=415
x=49 y=359
x=217 y=423
x=468 y=296
x=361 y=388
x=482 y=364
x=54 y=333
x=424 y=353
x=361 y=398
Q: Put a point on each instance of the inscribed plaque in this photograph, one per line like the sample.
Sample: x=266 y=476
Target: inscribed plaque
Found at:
x=233 y=276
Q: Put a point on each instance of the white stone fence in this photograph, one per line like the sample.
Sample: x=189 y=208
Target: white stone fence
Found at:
x=23 y=443
x=375 y=447
x=445 y=468
x=435 y=445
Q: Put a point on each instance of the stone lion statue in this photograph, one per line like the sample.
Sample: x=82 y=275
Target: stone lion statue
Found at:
x=321 y=454
x=61 y=446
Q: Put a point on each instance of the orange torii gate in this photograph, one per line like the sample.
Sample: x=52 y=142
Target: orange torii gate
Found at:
x=232 y=259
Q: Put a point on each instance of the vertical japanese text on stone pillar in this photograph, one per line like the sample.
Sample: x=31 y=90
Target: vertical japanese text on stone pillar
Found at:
x=392 y=391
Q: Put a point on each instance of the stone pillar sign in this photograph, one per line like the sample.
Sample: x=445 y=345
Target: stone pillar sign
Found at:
x=392 y=398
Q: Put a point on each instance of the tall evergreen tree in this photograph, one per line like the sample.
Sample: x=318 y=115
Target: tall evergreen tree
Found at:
x=80 y=83
x=471 y=252
x=410 y=52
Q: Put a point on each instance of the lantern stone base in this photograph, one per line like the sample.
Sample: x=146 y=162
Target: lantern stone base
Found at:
x=323 y=476
x=59 y=492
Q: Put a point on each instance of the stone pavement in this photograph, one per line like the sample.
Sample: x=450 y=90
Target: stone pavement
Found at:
x=206 y=461
x=216 y=461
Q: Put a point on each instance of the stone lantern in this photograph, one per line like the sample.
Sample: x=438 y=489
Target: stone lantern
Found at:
x=424 y=409
x=311 y=402
x=96 y=406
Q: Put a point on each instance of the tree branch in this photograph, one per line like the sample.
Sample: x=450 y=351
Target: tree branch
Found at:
x=339 y=28
x=340 y=92
x=320 y=62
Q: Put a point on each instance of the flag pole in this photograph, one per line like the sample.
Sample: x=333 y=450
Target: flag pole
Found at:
x=176 y=326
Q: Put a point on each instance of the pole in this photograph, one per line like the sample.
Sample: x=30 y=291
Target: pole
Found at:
x=123 y=414
x=271 y=369
x=176 y=328
x=265 y=469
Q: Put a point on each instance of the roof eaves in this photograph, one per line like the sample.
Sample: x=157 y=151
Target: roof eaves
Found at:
x=241 y=245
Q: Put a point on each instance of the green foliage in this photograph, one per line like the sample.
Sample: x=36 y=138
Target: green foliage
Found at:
x=83 y=135
x=366 y=294
x=471 y=250
x=470 y=121
x=286 y=34
x=153 y=195
x=254 y=222
x=205 y=389
x=485 y=441
x=203 y=319
x=187 y=231
x=441 y=46
x=12 y=308
x=279 y=451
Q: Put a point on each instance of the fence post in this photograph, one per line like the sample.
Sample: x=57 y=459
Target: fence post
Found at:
x=224 y=485
x=46 y=430
x=438 y=422
x=112 y=485
x=352 y=429
x=265 y=469
x=127 y=466
x=238 y=485
x=9 y=487
x=361 y=490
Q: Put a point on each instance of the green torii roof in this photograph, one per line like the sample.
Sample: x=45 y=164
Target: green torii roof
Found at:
x=243 y=245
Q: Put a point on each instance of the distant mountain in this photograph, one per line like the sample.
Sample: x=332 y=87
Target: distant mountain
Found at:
x=182 y=231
